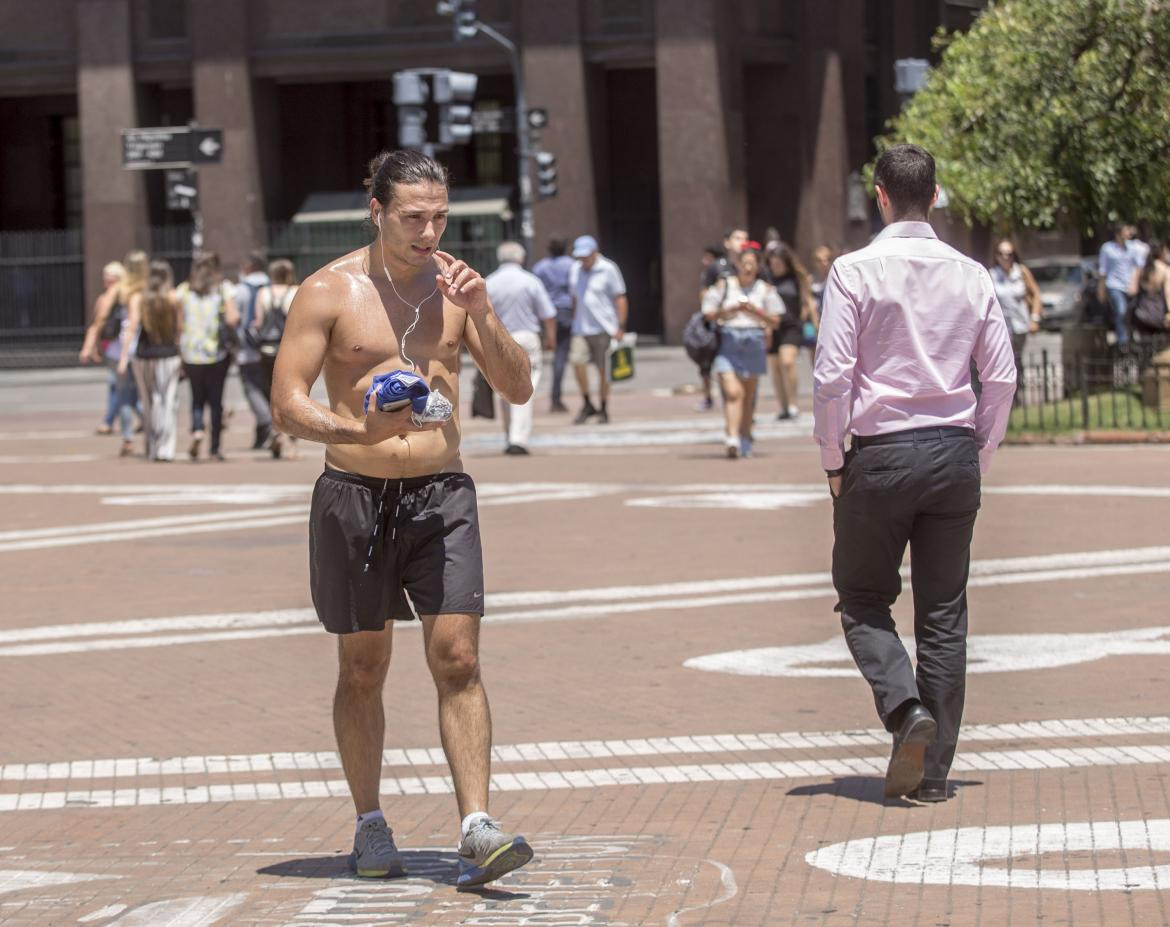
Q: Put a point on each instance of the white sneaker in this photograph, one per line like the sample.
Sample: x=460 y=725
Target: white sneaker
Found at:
x=794 y=411
x=732 y=445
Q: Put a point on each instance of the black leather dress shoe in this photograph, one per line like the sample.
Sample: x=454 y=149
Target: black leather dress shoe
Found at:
x=930 y=790
x=904 y=773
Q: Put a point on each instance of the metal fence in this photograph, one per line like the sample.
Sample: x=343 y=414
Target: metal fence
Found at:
x=42 y=275
x=1123 y=389
x=42 y=292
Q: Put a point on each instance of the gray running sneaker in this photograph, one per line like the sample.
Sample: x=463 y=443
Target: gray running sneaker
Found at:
x=487 y=853
x=374 y=854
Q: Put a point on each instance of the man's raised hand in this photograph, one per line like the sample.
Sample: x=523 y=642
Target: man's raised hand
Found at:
x=460 y=284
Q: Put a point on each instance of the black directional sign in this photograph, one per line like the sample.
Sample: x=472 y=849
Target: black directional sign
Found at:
x=182 y=189
x=170 y=146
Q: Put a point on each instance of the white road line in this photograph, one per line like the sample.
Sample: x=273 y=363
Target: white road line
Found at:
x=555 y=751
x=988 y=653
x=16 y=880
x=48 y=458
x=571 y=779
x=1024 y=853
x=229 y=524
x=603 y=601
x=164 y=521
x=182 y=912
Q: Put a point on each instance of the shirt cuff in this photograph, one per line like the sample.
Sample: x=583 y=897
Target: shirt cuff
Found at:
x=832 y=458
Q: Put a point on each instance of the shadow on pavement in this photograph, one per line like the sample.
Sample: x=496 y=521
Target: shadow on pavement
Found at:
x=871 y=789
x=439 y=867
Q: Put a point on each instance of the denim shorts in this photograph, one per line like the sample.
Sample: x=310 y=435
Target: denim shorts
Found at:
x=741 y=351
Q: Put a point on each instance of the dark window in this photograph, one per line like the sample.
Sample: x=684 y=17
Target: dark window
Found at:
x=71 y=171
x=167 y=19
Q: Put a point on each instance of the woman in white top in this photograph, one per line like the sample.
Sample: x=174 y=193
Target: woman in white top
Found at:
x=272 y=305
x=744 y=307
x=1019 y=298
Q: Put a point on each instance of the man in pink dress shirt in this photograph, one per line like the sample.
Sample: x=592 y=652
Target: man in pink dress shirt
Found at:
x=902 y=321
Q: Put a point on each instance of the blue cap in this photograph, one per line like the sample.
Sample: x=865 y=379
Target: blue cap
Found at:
x=584 y=245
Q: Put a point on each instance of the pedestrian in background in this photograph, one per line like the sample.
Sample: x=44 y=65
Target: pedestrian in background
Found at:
x=523 y=307
x=903 y=319
x=553 y=271
x=1152 y=313
x=1118 y=263
x=272 y=305
x=711 y=256
x=111 y=328
x=744 y=307
x=724 y=265
x=91 y=347
x=154 y=324
x=787 y=274
x=209 y=314
x=600 y=309
x=253 y=279
x=1019 y=299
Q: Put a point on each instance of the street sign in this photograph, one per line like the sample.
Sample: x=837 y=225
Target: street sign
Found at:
x=146 y=149
x=182 y=189
x=492 y=120
x=170 y=146
x=206 y=146
x=537 y=118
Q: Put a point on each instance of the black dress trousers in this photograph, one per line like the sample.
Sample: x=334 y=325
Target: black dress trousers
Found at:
x=920 y=487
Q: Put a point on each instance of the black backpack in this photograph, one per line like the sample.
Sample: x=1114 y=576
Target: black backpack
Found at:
x=272 y=328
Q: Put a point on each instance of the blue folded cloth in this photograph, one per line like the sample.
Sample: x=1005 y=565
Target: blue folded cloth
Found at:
x=392 y=389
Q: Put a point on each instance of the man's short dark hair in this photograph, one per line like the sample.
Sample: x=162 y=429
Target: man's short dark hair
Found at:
x=557 y=247
x=906 y=173
x=732 y=229
x=254 y=261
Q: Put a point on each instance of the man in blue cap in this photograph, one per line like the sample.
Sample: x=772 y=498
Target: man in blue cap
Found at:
x=600 y=309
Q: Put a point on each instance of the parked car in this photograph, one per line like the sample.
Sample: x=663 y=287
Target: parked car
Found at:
x=1068 y=291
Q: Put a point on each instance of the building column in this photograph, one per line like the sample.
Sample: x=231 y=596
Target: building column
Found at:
x=554 y=71
x=832 y=64
x=700 y=131
x=113 y=199
x=230 y=193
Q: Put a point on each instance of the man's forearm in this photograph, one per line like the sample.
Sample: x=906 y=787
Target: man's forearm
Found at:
x=505 y=364
x=301 y=417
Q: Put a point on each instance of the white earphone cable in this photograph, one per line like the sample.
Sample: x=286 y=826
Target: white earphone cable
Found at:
x=417 y=309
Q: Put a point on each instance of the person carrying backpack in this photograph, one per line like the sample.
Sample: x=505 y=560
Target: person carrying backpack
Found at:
x=253 y=279
x=272 y=305
x=206 y=344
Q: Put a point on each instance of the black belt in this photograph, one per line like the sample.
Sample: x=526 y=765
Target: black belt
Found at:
x=915 y=435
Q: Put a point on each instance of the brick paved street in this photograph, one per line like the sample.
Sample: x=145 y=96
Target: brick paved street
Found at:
x=679 y=730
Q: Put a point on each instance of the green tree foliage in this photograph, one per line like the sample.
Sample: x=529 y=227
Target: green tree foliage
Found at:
x=1051 y=112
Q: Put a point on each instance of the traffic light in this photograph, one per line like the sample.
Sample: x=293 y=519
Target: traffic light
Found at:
x=546 y=173
x=454 y=91
x=410 y=96
x=465 y=16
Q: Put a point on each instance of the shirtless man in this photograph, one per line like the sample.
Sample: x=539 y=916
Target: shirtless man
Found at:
x=394 y=529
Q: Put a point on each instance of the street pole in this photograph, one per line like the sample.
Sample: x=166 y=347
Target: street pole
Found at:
x=524 y=151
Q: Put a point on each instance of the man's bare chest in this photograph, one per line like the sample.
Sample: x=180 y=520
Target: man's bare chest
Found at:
x=370 y=335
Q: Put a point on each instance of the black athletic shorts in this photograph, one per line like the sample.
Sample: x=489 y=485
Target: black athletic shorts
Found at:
x=393 y=549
